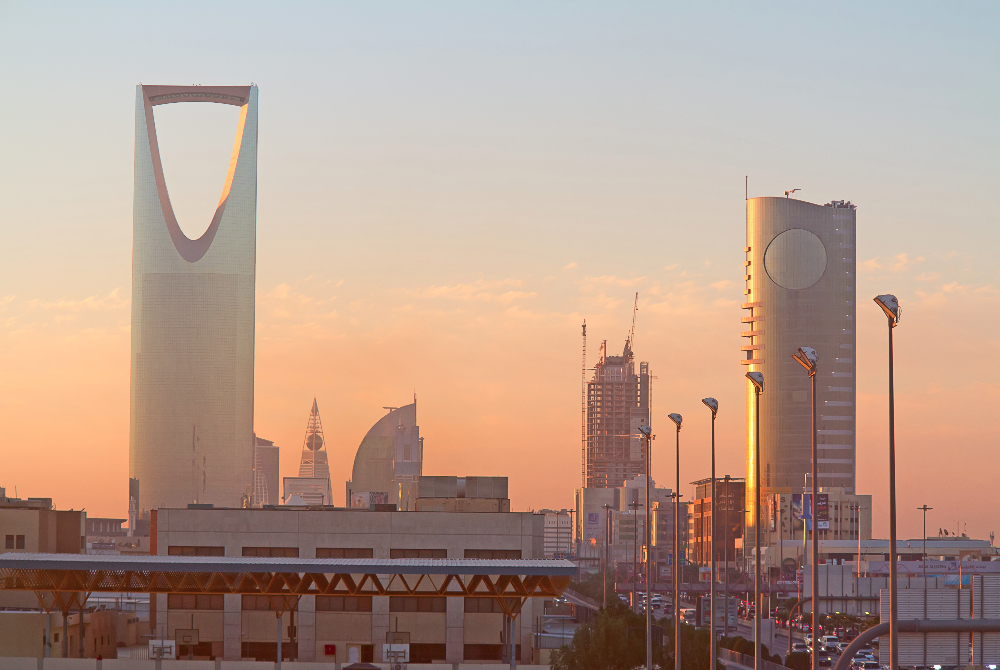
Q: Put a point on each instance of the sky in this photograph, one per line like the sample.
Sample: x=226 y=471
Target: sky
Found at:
x=446 y=190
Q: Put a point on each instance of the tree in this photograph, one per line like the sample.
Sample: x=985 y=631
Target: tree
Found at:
x=616 y=640
x=797 y=660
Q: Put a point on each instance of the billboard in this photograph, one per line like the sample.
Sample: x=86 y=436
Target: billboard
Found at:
x=802 y=510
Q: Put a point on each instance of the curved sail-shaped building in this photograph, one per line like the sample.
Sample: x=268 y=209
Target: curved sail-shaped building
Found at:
x=389 y=460
x=191 y=433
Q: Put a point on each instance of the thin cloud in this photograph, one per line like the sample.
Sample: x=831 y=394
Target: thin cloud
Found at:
x=570 y=266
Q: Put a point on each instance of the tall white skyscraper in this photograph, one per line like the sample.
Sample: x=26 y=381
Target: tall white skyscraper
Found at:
x=801 y=292
x=191 y=436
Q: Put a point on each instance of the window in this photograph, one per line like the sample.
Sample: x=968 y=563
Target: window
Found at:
x=492 y=554
x=487 y=652
x=196 y=601
x=418 y=553
x=343 y=603
x=417 y=604
x=9 y=544
x=427 y=653
x=196 y=551
x=19 y=542
x=343 y=552
x=259 y=602
x=271 y=552
x=485 y=605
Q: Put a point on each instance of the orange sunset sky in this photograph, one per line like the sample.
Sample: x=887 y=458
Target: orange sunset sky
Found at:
x=447 y=191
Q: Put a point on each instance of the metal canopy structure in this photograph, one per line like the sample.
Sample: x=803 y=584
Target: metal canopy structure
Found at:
x=59 y=580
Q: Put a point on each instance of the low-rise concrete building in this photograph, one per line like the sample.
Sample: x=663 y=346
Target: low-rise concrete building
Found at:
x=328 y=628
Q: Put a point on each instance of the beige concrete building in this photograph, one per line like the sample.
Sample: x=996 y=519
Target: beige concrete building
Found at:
x=800 y=292
x=328 y=628
x=33 y=526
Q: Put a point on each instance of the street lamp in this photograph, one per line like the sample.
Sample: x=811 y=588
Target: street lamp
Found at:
x=757 y=379
x=713 y=405
x=677 y=419
x=890 y=306
x=808 y=358
x=635 y=542
x=647 y=432
x=607 y=550
x=725 y=549
x=925 y=509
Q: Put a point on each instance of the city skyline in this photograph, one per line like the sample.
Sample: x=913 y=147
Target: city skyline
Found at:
x=452 y=243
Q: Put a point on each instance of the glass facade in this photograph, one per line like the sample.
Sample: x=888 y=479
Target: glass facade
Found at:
x=191 y=419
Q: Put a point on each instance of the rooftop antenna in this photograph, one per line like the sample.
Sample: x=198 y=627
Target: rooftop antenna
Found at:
x=787 y=193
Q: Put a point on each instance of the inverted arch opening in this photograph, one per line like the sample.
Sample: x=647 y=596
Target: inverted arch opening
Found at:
x=195 y=145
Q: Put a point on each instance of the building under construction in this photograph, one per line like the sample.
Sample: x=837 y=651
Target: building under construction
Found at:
x=617 y=404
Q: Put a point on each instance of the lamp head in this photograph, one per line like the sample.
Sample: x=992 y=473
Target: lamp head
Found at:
x=646 y=430
x=676 y=418
x=807 y=358
x=757 y=379
x=891 y=307
x=712 y=404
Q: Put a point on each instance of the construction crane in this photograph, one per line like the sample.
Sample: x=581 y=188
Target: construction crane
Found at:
x=631 y=333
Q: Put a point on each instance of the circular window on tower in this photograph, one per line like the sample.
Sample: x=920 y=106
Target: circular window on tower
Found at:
x=795 y=259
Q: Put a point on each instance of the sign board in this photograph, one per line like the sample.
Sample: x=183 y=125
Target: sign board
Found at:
x=330 y=649
x=704 y=574
x=162 y=649
x=802 y=510
x=396 y=653
x=186 y=636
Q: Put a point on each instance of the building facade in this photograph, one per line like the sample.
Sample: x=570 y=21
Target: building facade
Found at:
x=191 y=418
x=327 y=628
x=266 y=482
x=312 y=486
x=558 y=533
x=617 y=405
x=800 y=292
x=389 y=460
x=727 y=509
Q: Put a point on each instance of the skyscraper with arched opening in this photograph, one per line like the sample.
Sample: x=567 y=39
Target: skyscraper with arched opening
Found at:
x=191 y=432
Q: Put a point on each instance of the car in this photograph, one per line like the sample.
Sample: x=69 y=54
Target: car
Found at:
x=842 y=646
x=800 y=647
x=825 y=659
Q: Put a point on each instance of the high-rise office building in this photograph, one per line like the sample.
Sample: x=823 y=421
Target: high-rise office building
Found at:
x=800 y=292
x=617 y=404
x=389 y=460
x=191 y=435
x=266 y=459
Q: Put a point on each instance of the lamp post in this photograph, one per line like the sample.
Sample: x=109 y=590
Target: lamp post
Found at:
x=635 y=545
x=647 y=432
x=890 y=306
x=607 y=549
x=677 y=419
x=925 y=509
x=725 y=548
x=808 y=358
x=713 y=405
x=757 y=379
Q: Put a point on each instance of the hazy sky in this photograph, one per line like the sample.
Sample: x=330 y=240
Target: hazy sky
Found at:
x=447 y=189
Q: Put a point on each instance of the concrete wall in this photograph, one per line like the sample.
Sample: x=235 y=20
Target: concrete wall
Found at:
x=307 y=530
x=15 y=663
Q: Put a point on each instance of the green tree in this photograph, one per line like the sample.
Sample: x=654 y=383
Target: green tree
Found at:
x=798 y=660
x=616 y=640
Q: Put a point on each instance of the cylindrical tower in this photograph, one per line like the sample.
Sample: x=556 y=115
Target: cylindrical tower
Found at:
x=800 y=292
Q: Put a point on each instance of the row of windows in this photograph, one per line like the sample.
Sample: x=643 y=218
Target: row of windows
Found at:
x=258 y=602
x=196 y=551
x=271 y=552
x=493 y=554
x=321 y=552
x=193 y=601
x=407 y=604
x=343 y=603
x=14 y=542
x=346 y=552
x=216 y=602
